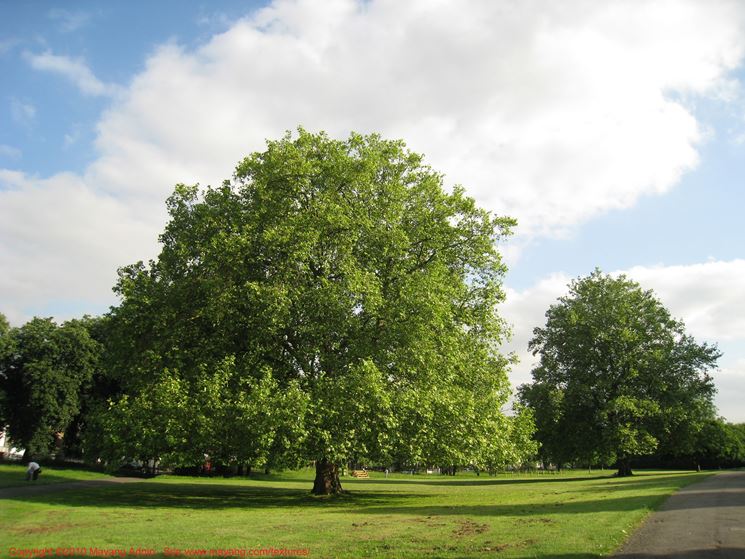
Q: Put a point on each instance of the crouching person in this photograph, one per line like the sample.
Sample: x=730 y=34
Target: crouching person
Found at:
x=33 y=471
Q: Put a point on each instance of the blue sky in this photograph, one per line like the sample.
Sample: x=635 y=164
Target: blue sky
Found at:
x=700 y=219
x=615 y=134
x=114 y=39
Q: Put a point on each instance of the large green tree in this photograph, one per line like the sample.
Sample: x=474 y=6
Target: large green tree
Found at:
x=618 y=376
x=44 y=369
x=340 y=268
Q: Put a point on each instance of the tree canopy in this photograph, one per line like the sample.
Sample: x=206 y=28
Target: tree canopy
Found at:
x=618 y=376
x=338 y=277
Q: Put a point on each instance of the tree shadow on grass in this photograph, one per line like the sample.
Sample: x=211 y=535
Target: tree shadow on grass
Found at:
x=706 y=492
x=643 y=482
x=526 y=509
x=360 y=500
x=207 y=496
x=222 y=497
x=8 y=482
x=445 y=482
x=717 y=553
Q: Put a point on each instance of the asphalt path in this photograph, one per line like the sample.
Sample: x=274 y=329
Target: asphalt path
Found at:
x=705 y=520
x=31 y=489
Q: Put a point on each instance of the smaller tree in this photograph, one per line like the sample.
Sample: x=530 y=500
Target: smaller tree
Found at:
x=43 y=371
x=617 y=373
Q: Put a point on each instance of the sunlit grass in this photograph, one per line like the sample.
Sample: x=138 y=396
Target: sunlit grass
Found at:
x=572 y=515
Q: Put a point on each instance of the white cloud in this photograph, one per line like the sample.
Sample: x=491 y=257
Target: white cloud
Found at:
x=10 y=151
x=22 y=112
x=69 y=21
x=63 y=242
x=730 y=383
x=551 y=114
x=709 y=297
x=525 y=310
x=72 y=69
x=213 y=20
x=72 y=137
x=7 y=44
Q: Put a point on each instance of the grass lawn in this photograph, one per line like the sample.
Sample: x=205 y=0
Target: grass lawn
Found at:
x=14 y=475
x=570 y=516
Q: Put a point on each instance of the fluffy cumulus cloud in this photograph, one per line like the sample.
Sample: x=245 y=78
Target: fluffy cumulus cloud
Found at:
x=549 y=112
x=708 y=297
x=730 y=383
x=525 y=310
x=62 y=243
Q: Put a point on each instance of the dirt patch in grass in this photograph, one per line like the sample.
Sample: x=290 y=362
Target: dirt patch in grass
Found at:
x=490 y=547
x=44 y=529
x=497 y=548
x=53 y=521
x=470 y=528
x=429 y=521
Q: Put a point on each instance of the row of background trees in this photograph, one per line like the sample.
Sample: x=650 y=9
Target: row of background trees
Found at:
x=334 y=303
x=57 y=398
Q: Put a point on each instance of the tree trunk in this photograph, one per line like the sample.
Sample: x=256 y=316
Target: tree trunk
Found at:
x=624 y=468
x=327 y=478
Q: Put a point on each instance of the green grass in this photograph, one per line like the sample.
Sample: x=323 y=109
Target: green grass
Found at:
x=570 y=516
x=14 y=475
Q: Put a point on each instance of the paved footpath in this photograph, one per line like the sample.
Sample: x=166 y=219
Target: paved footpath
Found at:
x=31 y=489
x=705 y=520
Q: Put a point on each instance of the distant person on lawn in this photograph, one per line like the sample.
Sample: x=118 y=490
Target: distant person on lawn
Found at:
x=33 y=471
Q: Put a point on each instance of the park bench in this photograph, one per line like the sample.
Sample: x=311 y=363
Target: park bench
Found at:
x=360 y=474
